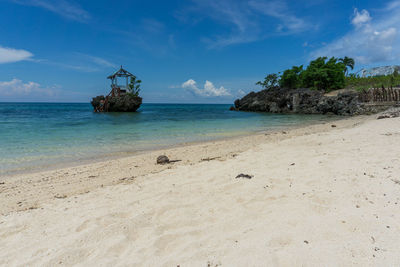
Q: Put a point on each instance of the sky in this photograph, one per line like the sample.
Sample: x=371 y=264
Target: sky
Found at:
x=194 y=51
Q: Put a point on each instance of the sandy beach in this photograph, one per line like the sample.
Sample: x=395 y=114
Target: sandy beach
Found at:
x=318 y=195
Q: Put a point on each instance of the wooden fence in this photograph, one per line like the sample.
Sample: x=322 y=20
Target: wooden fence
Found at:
x=380 y=95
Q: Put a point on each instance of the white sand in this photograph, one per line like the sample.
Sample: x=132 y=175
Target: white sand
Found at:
x=338 y=205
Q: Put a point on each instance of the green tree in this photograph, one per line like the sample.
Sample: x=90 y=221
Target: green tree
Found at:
x=348 y=63
x=134 y=86
x=270 y=81
x=292 y=78
x=323 y=74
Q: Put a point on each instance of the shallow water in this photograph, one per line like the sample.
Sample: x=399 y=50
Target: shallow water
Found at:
x=34 y=135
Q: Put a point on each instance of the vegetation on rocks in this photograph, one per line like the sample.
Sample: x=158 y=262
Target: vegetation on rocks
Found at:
x=134 y=86
x=321 y=74
x=303 y=90
x=326 y=75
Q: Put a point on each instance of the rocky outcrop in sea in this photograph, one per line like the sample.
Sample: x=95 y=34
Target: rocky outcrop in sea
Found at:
x=304 y=101
x=123 y=103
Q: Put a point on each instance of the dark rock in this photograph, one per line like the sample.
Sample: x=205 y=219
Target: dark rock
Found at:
x=162 y=159
x=383 y=117
x=304 y=101
x=244 y=176
x=232 y=108
x=333 y=126
x=96 y=101
x=124 y=103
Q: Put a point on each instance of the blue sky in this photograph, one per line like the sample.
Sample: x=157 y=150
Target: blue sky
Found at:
x=198 y=51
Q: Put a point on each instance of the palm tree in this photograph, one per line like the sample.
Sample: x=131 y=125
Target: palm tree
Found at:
x=134 y=86
x=348 y=63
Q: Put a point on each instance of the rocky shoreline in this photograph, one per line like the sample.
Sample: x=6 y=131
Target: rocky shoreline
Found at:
x=306 y=101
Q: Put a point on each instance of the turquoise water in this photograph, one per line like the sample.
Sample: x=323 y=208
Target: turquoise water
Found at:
x=36 y=135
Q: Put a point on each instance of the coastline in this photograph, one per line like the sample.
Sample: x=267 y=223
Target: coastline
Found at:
x=140 y=163
x=6 y=174
x=314 y=189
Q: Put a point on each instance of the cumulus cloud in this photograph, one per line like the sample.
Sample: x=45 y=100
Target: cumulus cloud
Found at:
x=8 y=55
x=372 y=39
x=360 y=18
x=209 y=89
x=16 y=87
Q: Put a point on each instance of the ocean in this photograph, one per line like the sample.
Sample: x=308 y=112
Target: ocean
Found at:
x=35 y=136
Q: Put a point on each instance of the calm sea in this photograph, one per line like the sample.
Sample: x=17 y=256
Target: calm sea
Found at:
x=38 y=135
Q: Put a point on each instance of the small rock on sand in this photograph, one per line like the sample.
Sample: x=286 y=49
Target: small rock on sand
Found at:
x=244 y=176
x=162 y=159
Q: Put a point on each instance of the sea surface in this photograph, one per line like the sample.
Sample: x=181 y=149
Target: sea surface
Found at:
x=35 y=136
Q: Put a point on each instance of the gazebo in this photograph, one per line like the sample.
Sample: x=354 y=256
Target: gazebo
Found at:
x=118 y=100
x=118 y=89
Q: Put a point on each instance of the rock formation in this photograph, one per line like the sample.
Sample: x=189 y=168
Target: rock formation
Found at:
x=304 y=101
x=163 y=159
x=123 y=103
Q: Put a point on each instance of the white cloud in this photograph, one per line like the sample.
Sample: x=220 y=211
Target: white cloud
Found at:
x=82 y=62
x=63 y=8
x=360 y=18
x=8 y=55
x=279 y=10
x=101 y=62
x=209 y=89
x=246 y=20
x=372 y=39
x=16 y=88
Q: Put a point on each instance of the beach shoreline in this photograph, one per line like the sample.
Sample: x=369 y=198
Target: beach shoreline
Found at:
x=328 y=187
x=7 y=174
x=145 y=162
x=72 y=134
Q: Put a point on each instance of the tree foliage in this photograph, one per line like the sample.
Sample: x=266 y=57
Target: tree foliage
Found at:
x=328 y=74
x=292 y=78
x=321 y=74
x=134 y=86
x=270 y=81
x=348 y=63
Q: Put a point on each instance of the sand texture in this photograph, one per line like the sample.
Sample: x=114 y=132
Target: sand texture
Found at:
x=318 y=196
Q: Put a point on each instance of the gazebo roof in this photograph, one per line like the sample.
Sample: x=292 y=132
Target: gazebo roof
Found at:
x=121 y=73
